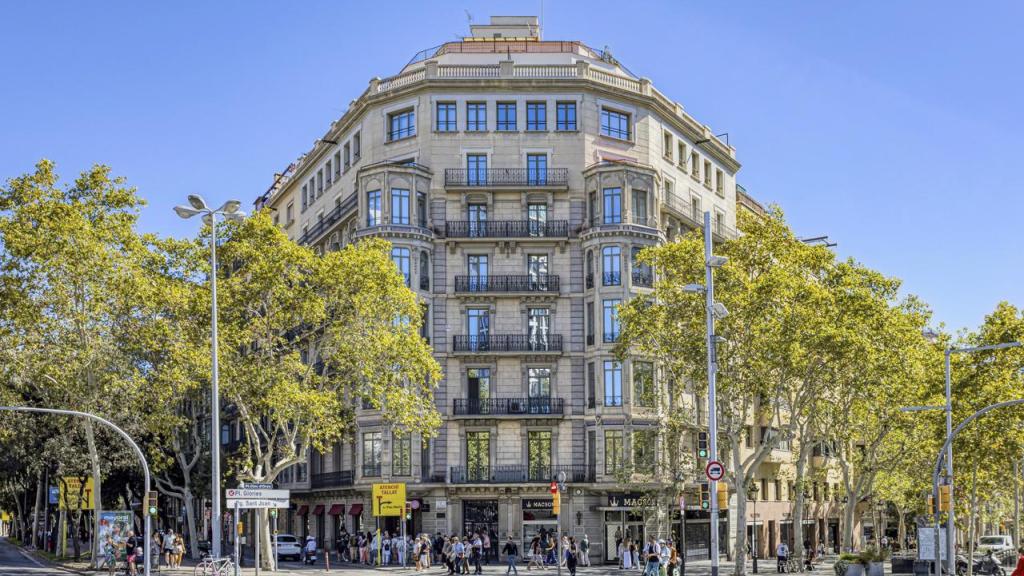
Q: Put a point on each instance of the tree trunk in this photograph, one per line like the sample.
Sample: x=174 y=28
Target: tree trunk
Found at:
x=94 y=545
x=971 y=520
x=266 y=549
x=190 y=518
x=76 y=527
x=740 y=480
x=35 y=511
x=800 y=501
x=901 y=531
x=848 y=518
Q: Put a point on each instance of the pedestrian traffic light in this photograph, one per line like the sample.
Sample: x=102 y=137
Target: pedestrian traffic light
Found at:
x=151 y=503
x=944 y=497
x=702 y=445
x=705 y=496
x=723 y=496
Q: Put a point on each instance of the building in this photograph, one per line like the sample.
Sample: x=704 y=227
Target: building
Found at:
x=516 y=178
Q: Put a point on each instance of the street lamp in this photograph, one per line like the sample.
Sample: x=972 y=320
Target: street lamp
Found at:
x=713 y=310
x=229 y=211
x=752 y=495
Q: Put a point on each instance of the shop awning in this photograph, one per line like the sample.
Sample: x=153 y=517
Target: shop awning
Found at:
x=302 y=510
x=355 y=509
x=318 y=510
x=336 y=510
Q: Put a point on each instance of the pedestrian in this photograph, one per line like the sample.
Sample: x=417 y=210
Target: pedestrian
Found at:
x=625 y=555
x=403 y=547
x=179 y=549
x=652 y=558
x=168 y=547
x=486 y=541
x=584 y=551
x=536 y=555
x=673 y=558
x=782 y=555
x=634 y=552
x=664 y=555
x=511 y=551
x=477 y=553
x=565 y=550
x=1019 y=570
x=570 y=557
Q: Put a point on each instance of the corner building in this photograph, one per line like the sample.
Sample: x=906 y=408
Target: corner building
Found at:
x=516 y=179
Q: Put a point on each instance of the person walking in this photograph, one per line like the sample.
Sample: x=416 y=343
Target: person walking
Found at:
x=625 y=555
x=1019 y=570
x=511 y=551
x=571 y=557
x=536 y=555
x=477 y=553
x=673 y=558
x=179 y=550
x=665 y=554
x=168 y=545
x=584 y=559
x=652 y=557
x=634 y=551
x=782 y=555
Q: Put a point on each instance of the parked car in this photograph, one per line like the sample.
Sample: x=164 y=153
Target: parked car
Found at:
x=996 y=543
x=288 y=547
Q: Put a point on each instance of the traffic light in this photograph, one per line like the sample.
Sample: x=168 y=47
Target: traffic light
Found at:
x=702 y=445
x=931 y=504
x=944 y=497
x=151 y=504
x=723 y=496
x=556 y=503
x=554 y=487
x=705 y=496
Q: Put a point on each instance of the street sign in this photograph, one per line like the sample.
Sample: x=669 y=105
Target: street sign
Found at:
x=259 y=493
x=54 y=495
x=388 y=499
x=715 y=470
x=70 y=489
x=256 y=503
x=256 y=485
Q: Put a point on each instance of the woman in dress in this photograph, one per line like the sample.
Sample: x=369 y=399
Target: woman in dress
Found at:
x=626 y=554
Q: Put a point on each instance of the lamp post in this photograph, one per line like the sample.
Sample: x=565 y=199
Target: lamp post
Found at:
x=713 y=310
x=752 y=495
x=229 y=211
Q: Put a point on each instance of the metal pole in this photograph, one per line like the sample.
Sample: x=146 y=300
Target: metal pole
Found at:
x=276 y=559
x=238 y=550
x=1016 y=502
x=135 y=447
x=558 y=536
x=950 y=524
x=257 y=529
x=754 y=550
x=214 y=396
x=709 y=294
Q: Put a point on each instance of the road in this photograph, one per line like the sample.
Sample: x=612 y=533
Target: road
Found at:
x=14 y=563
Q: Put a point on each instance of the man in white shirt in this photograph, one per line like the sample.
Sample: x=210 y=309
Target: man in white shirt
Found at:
x=782 y=553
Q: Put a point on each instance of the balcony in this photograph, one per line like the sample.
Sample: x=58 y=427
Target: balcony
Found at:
x=508 y=407
x=371 y=470
x=506 y=229
x=506 y=177
x=331 y=479
x=318 y=229
x=590 y=280
x=508 y=284
x=518 y=474
x=611 y=279
x=507 y=343
x=611 y=337
x=643 y=279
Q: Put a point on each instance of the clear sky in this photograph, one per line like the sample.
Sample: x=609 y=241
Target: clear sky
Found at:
x=893 y=127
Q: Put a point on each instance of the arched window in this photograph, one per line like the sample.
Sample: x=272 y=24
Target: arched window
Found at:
x=424 y=271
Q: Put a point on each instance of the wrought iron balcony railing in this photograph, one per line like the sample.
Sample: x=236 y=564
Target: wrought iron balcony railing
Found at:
x=611 y=279
x=318 y=229
x=643 y=279
x=331 y=479
x=507 y=343
x=491 y=177
x=518 y=473
x=545 y=406
x=506 y=229
x=507 y=283
x=371 y=469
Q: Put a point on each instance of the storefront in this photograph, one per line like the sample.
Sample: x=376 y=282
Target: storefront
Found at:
x=624 y=519
x=538 y=517
x=697 y=534
x=480 y=517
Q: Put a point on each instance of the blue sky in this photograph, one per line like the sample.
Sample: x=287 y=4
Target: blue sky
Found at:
x=890 y=126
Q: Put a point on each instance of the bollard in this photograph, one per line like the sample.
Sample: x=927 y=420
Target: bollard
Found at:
x=327 y=559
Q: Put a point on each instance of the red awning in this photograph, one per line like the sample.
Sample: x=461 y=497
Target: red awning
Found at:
x=356 y=509
x=318 y=510
x=336 y=510
x=302 y=510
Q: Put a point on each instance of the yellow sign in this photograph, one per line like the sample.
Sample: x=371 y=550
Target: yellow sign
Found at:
x=556 y=503
x=70 y=488
x=388 y=499
x=5 y=517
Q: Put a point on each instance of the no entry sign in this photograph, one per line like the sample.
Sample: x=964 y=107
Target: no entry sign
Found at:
x=715 y=470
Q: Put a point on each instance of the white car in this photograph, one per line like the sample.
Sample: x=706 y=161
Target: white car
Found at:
x=288 y=547
x=995 y=542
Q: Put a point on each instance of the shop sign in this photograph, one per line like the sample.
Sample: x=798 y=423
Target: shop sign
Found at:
x=631 y=500
x=537 y=504
x=441 y=505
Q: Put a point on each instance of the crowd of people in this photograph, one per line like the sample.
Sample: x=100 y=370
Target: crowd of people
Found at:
x=129 y=550
x=656 y=557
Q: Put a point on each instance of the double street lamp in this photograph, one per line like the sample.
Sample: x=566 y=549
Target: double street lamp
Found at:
x=228 y=211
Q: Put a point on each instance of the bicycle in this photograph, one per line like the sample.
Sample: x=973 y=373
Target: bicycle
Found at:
x=215 y=567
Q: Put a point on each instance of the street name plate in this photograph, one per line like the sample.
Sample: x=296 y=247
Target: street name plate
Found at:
x=257 y=493
x=256 y=503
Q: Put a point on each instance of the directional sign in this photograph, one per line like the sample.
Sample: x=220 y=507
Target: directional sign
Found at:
x=388 y=499
x=715 y=470
x=257 y=493
x=256 y=485
x=256 y=503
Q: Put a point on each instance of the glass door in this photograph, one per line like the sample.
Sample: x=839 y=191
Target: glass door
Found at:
x=537 y=271
x=537 y=216
x=538 y=324
x=479 y=380
x=479 y=320
x=477 y=220
x=477 y=265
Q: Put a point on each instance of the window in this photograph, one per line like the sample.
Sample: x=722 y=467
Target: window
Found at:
x=506 y=116
x=719 y=223
x=611 y=320
x=373 y=208
x=401 y=125
x=643 y=450
x=477 y=265
x=536 y=115
x=719 y=182
x=773 y=437
x=355 y=147
x=643 y=384
x=681 y=160
x=640 y=207
x=666 y=146
x=641 y=272
x=400 y=256
x=401 y=455
x=479 y=322
x=478 y=456
x=421 y=209
x=537 y=271
x=566 y=112
x=337 y=164
x=476 y=116
x=348 y=156
x=305 y=197
x=612 y=451
x=537 y=218
x=425 y=317
x=538 y=325
x=695 y=165
x=591 y=391
x=424 y=271
x=319 y=183
x=611 y=266
x=225 y=434
x=312 y=189
x=328 y=172
x=590 y=270
x=399 y=206
x=615 y=124
x=612 y=383
x=539 y=455
x=539 y=380
x=695 y=212
x=446 y=117
x=537 y=169
x=707 y=174
x=476 y=169
x=371 y=453
x=477 y=220
x=289 y=214
x=613 y=205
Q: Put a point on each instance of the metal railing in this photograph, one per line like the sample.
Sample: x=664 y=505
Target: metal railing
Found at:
x=519 y=473
x=508 y=406
x=485 y=177
x=371 y=469
x=506 y=229
x=590 y=281
x=329 y=219
x=611 y=336
x=507 y=343
x=507 y=283
x=611 y=278
x=332 y=479
x=643 y=279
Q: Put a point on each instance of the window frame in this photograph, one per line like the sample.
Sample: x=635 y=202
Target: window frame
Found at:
x=539 y=109
x=606 y=128
x=506 y=125
x=473 y=121
x=446 y=120
x=565 y=106
x=406 y=124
